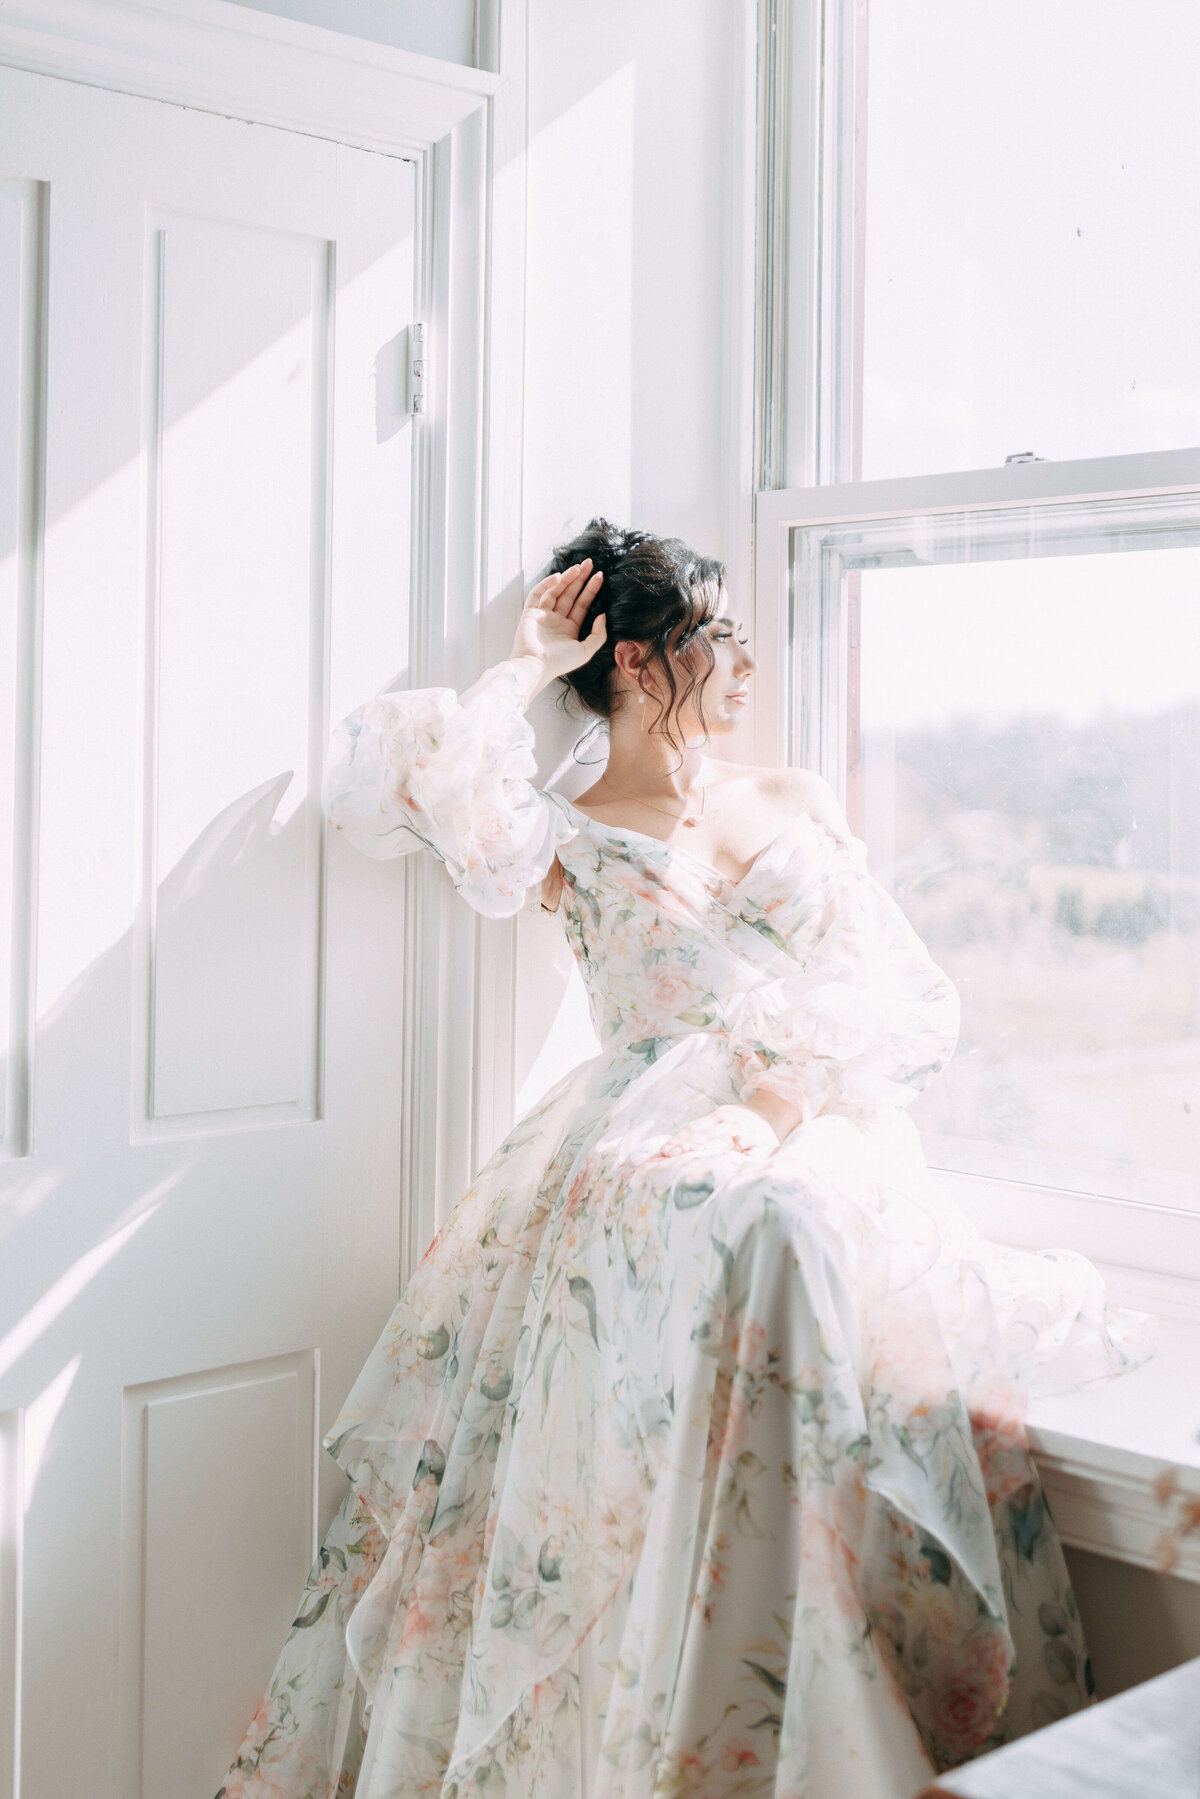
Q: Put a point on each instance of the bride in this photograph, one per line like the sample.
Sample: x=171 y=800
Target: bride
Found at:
x=691 y=1461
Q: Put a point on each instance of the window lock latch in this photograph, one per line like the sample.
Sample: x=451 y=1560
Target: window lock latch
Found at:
x=1023 y=456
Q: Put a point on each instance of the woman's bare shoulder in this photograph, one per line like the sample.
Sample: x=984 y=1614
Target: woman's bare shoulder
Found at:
x=795 y=789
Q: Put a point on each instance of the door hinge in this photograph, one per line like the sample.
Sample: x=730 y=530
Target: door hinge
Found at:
x=416 y=368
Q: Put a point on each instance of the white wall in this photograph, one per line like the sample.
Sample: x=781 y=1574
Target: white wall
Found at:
x=638 y=330
x=1138 y=1623
x=635 y=300
x=444 y=28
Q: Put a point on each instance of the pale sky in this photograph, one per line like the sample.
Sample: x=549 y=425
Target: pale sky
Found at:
x=1063 y=634
x=1032 y=253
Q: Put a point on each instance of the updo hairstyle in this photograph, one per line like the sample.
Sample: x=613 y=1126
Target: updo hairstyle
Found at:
x=656 y=591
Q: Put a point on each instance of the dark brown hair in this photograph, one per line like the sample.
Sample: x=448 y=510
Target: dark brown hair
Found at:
x=656 y=591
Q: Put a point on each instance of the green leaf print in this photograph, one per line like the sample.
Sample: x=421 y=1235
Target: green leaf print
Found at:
x=767 y=930
x=1062 y=1663
x=585 y=1293
x=447 y=1522
x=550 y=1559
x=772 y=1682
x=432 y=1463
x=523 y=1611
x=726 y=1255
x=1028 y=1522
x=1052 y=1618
x=689 y=1194
x=432 y=1345
x=305 y=1620
x=502 y=1611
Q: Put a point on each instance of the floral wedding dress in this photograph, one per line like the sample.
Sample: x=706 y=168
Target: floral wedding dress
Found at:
x=687 y=1464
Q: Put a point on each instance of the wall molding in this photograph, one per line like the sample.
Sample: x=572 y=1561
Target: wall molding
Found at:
x=775 y=18
x=12 y=1519
x=504 y=36
x=460 y=1055
x=1106 y=1503
x=1103 y=1448
x=248 y=64
x=20 y=681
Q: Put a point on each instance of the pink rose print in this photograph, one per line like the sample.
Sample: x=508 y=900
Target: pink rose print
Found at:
x=963 y=1715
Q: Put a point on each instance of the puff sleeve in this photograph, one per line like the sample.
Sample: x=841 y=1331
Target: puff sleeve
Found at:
x=866 y=1019
x=432 y=769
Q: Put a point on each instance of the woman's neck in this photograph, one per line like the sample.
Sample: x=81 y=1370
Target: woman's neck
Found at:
x=644 y=762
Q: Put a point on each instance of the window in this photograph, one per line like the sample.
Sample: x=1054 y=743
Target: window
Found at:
x=979 y=603
x=1030 y=247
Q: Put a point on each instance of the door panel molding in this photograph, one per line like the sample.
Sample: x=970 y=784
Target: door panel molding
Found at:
x=248 y=1050
x=12 y=1517
x=219 y=1489
x=249 y=65
x=24 y=207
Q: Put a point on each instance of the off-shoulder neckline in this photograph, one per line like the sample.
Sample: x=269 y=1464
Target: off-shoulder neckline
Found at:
x=681 y=849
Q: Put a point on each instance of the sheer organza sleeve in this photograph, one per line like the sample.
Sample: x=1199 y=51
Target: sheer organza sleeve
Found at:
x=449 y=773
x=865 y=1021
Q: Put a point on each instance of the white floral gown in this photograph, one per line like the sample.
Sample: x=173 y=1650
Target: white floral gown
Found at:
x=686 y=1464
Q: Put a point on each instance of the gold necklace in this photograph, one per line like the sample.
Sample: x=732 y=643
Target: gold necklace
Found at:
x=690 y=821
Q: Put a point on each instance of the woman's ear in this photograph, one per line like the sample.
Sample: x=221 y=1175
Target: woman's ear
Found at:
x=629 y=657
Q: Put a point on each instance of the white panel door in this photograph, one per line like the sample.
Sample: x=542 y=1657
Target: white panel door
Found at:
x=205 y=479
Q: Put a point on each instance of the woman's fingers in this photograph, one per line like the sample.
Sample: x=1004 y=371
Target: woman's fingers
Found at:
x=584 y=598
x=548 y=590
x=535 y=599
x=568 y=593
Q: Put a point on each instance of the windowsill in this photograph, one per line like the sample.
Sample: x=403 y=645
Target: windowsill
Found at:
x=1100 y=1449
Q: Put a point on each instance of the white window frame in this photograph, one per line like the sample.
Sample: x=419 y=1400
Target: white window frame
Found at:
x=800 y=705
x=811 y=211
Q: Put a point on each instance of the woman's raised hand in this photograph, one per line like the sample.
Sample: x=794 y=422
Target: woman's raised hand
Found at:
x=553 y=614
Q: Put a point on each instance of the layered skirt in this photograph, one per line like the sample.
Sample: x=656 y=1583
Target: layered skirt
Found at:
x=691 y=1465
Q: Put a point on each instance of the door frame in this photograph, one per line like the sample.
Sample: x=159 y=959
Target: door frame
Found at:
x=465 y=130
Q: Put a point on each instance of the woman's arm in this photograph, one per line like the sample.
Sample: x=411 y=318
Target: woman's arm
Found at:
x=449 y=772
x=803 y=791
x=779 y=1114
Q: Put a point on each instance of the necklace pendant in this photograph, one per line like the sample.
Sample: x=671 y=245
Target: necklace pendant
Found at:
x=691 y=821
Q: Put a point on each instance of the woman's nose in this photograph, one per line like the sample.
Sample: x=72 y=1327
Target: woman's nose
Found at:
x=746 y=662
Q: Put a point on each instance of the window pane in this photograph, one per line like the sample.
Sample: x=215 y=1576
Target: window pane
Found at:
x=1032 y=247
x=1024 y=764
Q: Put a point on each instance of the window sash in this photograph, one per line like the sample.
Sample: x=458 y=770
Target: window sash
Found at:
x=806 y=643
x=1029 y=493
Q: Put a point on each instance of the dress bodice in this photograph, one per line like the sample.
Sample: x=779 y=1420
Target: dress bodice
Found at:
x=805 y=966
x=662 y=938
